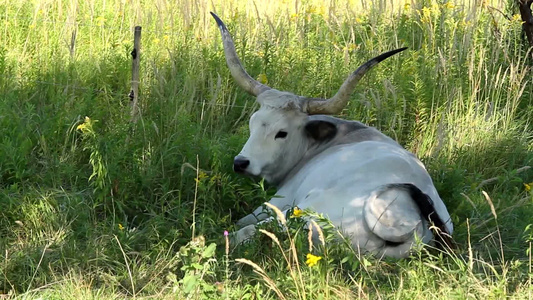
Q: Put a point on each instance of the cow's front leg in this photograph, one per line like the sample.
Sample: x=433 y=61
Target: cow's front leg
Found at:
x=243 y=234
x=248 y=231
x=261 y=213
x=258 y=215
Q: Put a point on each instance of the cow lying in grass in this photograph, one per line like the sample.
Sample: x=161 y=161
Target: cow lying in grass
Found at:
x=378 y=194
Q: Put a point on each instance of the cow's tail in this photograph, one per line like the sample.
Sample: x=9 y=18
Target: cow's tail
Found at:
x=424 y=203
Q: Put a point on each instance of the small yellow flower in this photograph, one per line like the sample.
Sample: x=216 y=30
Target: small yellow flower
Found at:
x=166 y=37
x=120 y=227
x=449 y=5
x=262 y=78
x=100 y=21
x=358 y=20
x=517 y=17
x=86 y=124
x=350 y=47
x=201 y=176
x=156 y=41
x=425 y=14
x=296 y=213
x=527 y=186
x=312 y=260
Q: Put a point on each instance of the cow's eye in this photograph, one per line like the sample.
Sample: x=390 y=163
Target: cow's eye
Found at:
x=281 y=134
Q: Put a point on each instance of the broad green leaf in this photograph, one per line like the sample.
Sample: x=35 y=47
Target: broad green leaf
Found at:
x=209 y=251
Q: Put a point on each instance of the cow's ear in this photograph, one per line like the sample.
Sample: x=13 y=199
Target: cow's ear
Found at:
x=321 y=130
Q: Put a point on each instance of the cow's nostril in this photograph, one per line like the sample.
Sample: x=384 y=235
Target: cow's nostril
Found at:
x=240 y=164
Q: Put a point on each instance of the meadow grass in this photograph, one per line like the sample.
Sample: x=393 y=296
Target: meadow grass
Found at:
x=94 y=207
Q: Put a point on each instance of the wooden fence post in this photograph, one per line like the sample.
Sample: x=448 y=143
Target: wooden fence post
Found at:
x=135 y=55
x=527 y=19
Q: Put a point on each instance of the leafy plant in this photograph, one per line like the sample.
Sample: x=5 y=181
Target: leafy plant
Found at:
x=197 y=262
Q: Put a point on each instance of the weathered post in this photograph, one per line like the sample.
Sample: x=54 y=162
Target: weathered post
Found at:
x=72 y=47
x=527 y=19
x=135 y=55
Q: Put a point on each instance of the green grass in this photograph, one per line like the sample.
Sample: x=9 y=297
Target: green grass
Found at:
x=100 y=208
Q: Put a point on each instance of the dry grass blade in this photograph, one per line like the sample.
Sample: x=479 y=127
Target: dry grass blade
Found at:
x=251 y=264
x=492 y=209
x=258 y=270
x=320 y=233
x=470 y=253
x=127 y=265
x=271 y=236
x=278 y=212
x=310 y=237
x=276 y=240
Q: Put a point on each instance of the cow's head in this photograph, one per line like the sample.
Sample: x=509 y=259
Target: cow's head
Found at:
x=281 y=130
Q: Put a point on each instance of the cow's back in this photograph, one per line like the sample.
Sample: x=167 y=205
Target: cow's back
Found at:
x=343 y=177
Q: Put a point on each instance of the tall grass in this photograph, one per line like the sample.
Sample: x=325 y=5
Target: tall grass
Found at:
x=92 y=206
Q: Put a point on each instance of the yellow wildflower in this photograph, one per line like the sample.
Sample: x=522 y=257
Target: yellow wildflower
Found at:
x=517 y=17
x=312 y=260
x=262 y=78
x=166 y=37
x=350 y=47
x=425 y=14
x=449 y=5
x=156 y=41
x=100 y=21
x=322 y=11
x=120 y=227
x=86 y=124
x=528 y=186
x=201 y=176
x=311 y=10
x=296 y=213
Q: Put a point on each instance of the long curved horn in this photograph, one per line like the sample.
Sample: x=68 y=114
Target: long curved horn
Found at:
x=335 y=105
x=242 y=78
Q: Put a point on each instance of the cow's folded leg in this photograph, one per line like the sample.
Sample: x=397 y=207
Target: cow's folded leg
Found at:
x=248 y=231
x=243 y=235
x=392 y=214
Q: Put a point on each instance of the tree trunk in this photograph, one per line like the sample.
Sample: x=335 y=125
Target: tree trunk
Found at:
x=527 y=18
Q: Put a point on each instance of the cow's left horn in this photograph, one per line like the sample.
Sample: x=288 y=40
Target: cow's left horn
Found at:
x=335 y=105
x=242 y=78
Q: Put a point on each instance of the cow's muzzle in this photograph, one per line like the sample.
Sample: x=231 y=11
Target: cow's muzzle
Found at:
x=240 y=164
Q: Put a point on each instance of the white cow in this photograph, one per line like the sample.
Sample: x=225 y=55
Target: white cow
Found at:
x=378 y=194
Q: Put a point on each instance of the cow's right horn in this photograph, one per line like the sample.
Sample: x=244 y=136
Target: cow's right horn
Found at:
x=335 y=104
x=242 y=78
